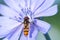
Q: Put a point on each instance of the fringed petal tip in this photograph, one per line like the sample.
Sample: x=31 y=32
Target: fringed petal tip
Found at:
x=42 y=26
x=49 y=12
x=47 y=30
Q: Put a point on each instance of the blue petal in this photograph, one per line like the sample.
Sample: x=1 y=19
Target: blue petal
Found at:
x=42 y=26
x=48 y=12
x=34 y=33
x=22 y=3
x=5 y=39
x=15 y=33
x=29 y=4
x=6 y=25
x=36 y=3
x=31 y=29
x=8 y=12
x=13 y=4
x=46 y=5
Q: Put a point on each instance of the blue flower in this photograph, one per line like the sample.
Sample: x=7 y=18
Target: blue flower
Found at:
x=12 y=21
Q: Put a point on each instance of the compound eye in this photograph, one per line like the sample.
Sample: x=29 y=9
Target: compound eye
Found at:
x=26 y=18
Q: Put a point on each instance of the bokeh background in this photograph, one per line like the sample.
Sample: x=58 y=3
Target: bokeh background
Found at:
x=54 y=32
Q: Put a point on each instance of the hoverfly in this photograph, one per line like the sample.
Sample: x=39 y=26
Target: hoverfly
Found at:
x=26 y=26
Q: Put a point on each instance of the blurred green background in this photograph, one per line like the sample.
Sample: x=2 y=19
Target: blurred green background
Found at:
x=54 y=33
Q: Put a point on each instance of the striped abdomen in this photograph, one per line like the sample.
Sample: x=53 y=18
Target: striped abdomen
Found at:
x=26 y=26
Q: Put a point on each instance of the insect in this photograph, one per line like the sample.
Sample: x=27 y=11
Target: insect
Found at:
x=26 y=26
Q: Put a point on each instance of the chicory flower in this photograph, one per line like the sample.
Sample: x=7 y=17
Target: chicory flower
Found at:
x=11 y=23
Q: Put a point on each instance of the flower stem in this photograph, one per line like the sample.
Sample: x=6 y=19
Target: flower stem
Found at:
x=47 y=36
x=20 y=35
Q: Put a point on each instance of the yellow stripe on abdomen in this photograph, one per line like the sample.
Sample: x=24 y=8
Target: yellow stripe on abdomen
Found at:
x=26 y=31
